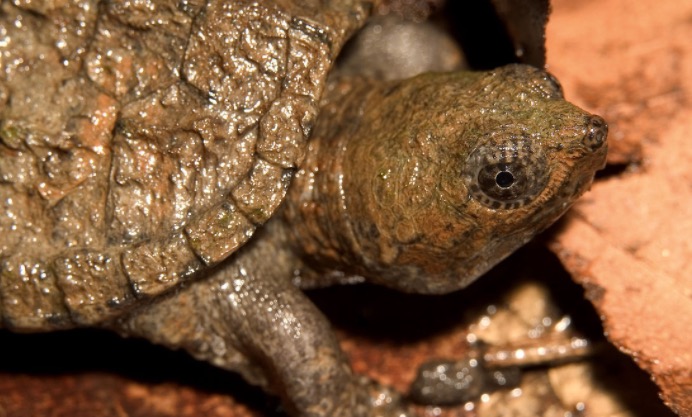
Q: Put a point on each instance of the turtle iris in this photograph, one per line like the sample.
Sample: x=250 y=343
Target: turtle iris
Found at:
x=507 y=175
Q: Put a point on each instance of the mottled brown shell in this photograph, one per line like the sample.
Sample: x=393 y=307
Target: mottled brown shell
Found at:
x=141 y=142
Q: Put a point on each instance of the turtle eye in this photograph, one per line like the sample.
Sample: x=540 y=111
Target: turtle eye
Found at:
x=506 y=176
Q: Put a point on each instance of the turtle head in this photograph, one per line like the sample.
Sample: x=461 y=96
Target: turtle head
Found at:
x=451 y=173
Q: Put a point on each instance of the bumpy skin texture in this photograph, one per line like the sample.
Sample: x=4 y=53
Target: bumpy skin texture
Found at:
x=142 y=142
x=389 y=192
x=421 y=185
x=403 y=191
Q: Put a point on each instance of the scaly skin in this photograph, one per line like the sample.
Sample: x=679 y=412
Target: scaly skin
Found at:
x=398 y=188
x=392 y=192
x=171 y=134
x=142 y=143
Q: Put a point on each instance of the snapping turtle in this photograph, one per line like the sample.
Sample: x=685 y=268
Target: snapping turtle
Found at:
x=157 y=179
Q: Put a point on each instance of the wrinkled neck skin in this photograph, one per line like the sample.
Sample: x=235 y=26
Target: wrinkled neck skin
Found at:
x=337 y=218
x=383 y=192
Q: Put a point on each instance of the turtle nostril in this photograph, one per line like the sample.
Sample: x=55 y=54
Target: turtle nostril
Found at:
x=596 y=132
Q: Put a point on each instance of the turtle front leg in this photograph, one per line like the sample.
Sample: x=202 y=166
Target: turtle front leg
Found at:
x=247 y=318
x=277 y=327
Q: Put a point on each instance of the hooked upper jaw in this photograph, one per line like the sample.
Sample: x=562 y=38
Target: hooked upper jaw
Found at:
x=586 y=154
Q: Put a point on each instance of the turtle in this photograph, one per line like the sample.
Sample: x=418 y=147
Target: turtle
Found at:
x=179 y=171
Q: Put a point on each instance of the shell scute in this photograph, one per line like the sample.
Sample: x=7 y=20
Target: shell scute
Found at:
x=185 y=124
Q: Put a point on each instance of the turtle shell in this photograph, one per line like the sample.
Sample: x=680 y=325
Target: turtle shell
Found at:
x=142 y=142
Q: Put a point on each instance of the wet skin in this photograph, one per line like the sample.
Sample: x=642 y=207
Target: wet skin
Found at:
x=161 y=182
x=421 y=185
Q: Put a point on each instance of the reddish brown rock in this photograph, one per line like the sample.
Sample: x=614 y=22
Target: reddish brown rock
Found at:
x=628 y=241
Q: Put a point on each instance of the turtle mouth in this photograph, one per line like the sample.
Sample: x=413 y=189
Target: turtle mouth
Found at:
x=572 y=188
x=590 y=156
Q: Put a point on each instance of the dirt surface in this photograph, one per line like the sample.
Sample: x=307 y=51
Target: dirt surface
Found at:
x=627 y=243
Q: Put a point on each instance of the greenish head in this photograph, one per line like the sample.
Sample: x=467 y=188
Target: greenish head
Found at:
x=454 y=172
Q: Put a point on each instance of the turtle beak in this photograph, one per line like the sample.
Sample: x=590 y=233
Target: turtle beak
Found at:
x=595 y=139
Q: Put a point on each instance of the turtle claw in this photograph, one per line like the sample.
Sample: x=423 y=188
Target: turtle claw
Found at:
x=385 y=401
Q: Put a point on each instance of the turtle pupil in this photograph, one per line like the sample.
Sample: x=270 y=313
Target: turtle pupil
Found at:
x=504 y=179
